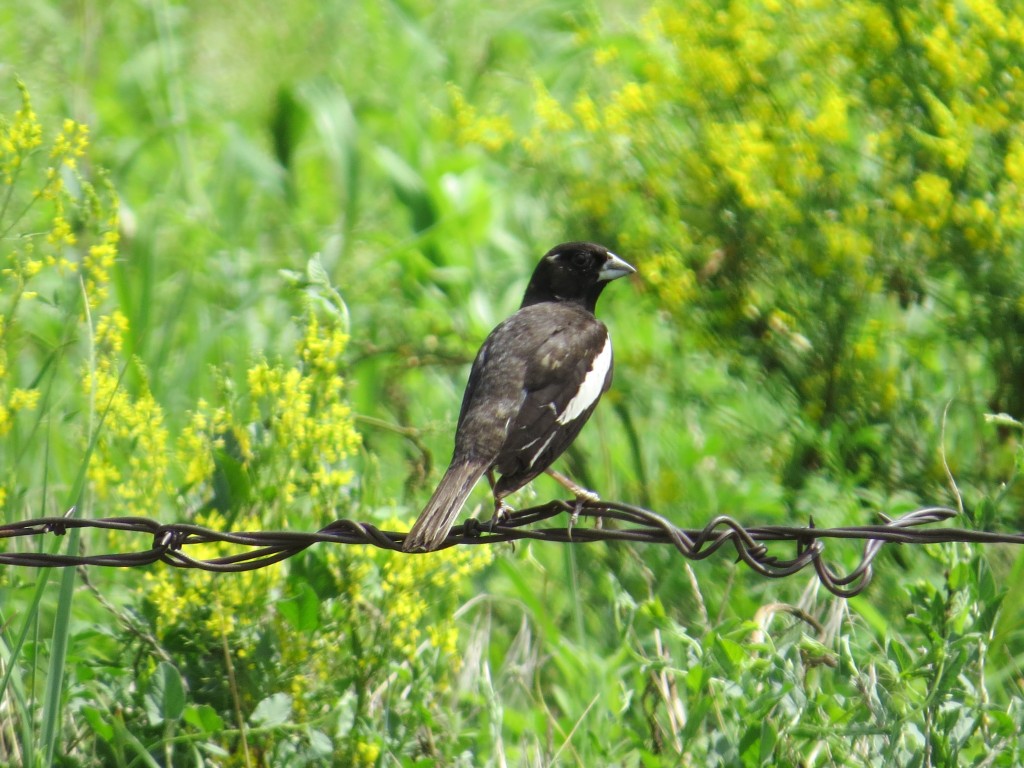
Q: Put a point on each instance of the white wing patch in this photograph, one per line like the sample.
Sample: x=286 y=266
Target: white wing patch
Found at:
x=540 y=450
x=593 y=384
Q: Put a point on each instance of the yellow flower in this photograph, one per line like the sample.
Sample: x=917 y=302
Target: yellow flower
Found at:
x=322 y=348
x=98 y=262
x=70 y=143
x=878 y=27
x=492 y=132
x=1014 y=162
x=24 y=399
x=366 y=754
x=110 y=330
x=551 y=117
x=401 y=576
x=831 y=122
x=605 y=55
x=194 y=449
x=104 y=477
x=19 y=137
x=632 y=99
x=586 y=112
x=933 y=198
x=60 y=230
x=133 y=434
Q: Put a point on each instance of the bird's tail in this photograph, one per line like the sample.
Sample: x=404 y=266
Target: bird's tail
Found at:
x=437 y=518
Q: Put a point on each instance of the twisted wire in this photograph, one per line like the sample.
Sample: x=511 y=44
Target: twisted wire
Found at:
x=612 y=521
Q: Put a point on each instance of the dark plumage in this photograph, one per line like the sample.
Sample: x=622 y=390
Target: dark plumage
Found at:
x=533 y=385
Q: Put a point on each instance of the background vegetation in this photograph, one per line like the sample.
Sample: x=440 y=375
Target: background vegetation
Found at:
x=249 y=249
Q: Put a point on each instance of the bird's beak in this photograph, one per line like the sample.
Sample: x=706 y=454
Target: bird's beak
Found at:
x=613 y=268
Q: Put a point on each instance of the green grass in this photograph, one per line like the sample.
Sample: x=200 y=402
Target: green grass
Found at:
x=824 y=206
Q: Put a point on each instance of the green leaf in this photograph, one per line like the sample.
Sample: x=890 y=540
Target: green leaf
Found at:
x=165 y=694
x=732 y=654
x=272 y=711
x=959 y=576
x=320 y=743
x=769 y=738
x=97 y=723
x=204 y=717
x=410 y=188
x=316 y=273
x=286 y=123
x=302 y=611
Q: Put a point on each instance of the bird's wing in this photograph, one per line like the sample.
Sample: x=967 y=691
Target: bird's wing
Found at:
x=566 y=360
x=533 y=385
x=494 y=395
x=561 y=394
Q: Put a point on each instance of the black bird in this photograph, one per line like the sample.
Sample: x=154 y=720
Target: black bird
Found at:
x=534 y=383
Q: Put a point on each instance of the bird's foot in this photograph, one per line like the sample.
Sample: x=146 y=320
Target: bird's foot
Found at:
x=583 y=495
x=577 y=507
x=501 y=513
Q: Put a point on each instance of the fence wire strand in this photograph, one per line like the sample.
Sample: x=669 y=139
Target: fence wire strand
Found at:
x=612 y=521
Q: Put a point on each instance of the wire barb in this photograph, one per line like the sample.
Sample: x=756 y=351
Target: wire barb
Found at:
x=616 y=522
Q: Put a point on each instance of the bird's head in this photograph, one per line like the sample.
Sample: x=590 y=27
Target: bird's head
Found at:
x=574 y=272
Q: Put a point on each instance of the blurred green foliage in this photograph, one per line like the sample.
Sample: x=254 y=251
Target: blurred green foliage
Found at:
x=261 y=314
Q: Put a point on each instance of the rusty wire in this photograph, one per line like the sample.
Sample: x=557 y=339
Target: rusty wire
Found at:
x=614 y=522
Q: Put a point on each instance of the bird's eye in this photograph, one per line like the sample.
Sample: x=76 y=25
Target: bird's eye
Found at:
x=579 y=259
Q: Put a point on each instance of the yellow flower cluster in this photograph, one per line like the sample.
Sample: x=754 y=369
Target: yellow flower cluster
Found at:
x=296 y=434
x=19 y=137
x=1014 y=161
x=203 y=433
x=805 y=156
x=321 y=348
x=46 y=193
x=110 y=331
x=929 y=202
x=216 y=606
x=68 y=146
x=627 y=103
x=17 y=400
x=309 y=423
x=492 y=132
x=441 y=573
x=53 y=246
x=832 y=121
x=130 y=462
x=97 y=263
x=551 y=119
x=848 y=251
x=366 y=754
x=70 y=143
x=301 y=432
x=675 y=285
x=586 y=112
x=747 y=158
x=291 y=440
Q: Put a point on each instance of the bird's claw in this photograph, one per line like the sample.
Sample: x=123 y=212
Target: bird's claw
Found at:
x=583 y=497
x=574 y=514
x=501 y=513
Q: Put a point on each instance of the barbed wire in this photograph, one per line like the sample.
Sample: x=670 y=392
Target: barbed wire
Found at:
x=631 y=524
